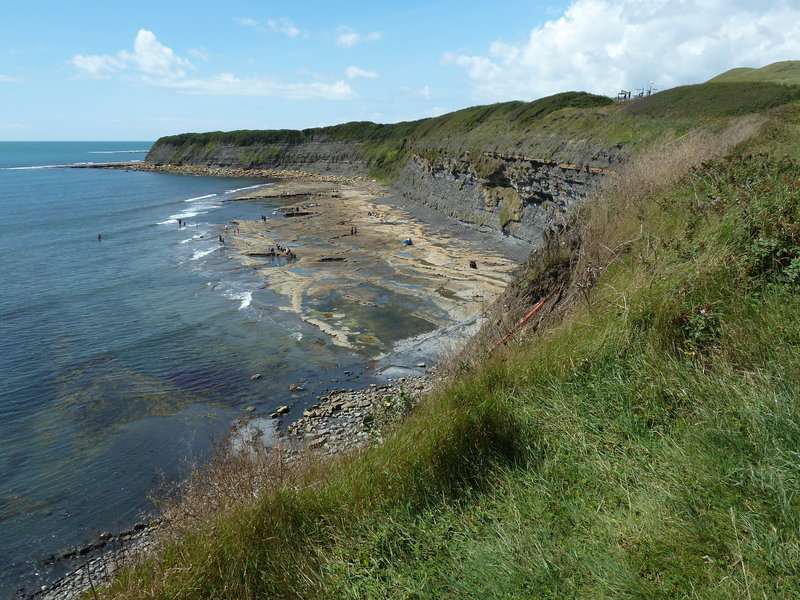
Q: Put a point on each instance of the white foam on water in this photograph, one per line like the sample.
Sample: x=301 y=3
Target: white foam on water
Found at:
x=246 y=298
x=200 y=198
x=194 y=238
x=196 y=209
x=198 y=254
x=30 y=167
x=34 y=167
x=118 y=152
x=249 y=187
x=238 y=290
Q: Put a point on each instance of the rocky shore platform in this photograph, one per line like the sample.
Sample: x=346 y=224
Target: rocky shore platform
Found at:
x=343 y=255
x=219 y=171
x=87 y=567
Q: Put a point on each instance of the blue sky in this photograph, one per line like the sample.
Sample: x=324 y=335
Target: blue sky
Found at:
x=89 y=70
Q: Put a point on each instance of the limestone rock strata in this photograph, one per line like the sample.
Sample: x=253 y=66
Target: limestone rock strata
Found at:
x=518 y=195
x=323 y=156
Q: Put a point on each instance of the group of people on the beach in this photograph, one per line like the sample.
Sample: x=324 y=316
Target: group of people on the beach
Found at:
x=285 y=250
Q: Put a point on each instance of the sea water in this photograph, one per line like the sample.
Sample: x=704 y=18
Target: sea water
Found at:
x=122 y=357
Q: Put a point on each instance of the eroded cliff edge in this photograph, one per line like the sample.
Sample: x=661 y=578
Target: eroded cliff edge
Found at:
x=513 y=167
x=518 y=195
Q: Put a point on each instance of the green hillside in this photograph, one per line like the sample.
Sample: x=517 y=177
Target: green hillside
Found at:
x=571 y=127
x=640 y=439
x=787 y=71
x=533 y=127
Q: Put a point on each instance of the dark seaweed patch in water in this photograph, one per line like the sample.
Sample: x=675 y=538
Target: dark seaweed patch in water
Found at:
x=209 y=380
x=13 y=506
x=445 y=292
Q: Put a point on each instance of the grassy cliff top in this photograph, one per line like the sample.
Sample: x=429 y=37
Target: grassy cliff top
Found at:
x=787 y=71
x=511 y=114
x=573 y=127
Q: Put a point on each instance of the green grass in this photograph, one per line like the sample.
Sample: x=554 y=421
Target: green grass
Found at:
x=366 y=131
x=387 y=147
x=787 y=71
x=661 y=433
x=645 y=445
x=714 y=100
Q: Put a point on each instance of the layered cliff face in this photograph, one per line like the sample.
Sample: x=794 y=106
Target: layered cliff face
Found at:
x=518 y=195
x=512 y=167
x=324 y=155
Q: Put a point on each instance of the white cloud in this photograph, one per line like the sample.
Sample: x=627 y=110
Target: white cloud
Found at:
x=436 y=111
x=152 y=58
x=284 y=26
x=7 y=79
x=424 y=92
x=13 y=127
x=354 y=72
x=198 y=53
x=602 y=46
x=347 y=37
x=281 y=25
x=149 y=57
x=153 y=63
x=226 y=84
x=364 y=114
x=98 y=67
x=246 y=21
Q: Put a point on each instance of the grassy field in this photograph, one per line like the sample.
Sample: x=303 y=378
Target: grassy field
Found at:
x=787 y=71
x=642 y=441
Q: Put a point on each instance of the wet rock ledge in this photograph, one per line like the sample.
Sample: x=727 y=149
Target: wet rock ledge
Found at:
x=91 y=565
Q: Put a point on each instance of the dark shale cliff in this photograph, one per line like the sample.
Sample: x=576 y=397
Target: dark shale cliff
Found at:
x=335 y=156
x=492 y=168
x=518 y=195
